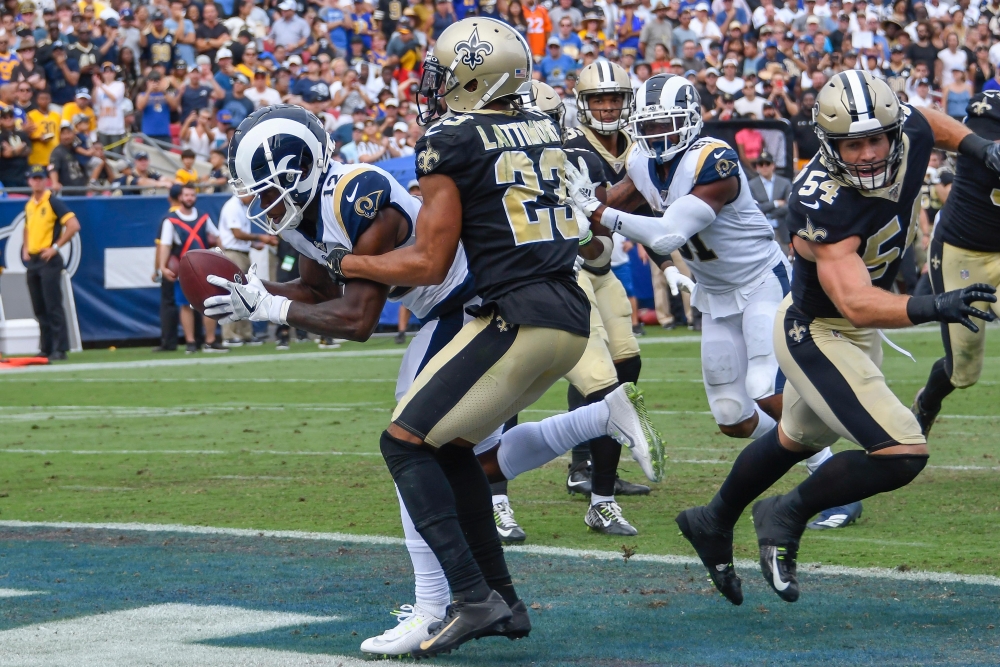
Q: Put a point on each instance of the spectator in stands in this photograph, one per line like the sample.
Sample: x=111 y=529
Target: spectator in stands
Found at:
x=15 y=146
x=65 y=169
x=80 y=106
x=730 y=83
x=749 y=144
x=750 y=103
x=155 y=104
x=349 y=151
x=950 y=59
x=144 y=177
x=260 y=93
x=682 y=33
x=956 y=95
x=45 y=135
x=197 y=133
x=555 y=65
x=628 y=27
x=290 y=30
x=211 y=35
x=28 y=70
x=62 y=74
x=198 y=92
x=109 y=101
x=921 y=97
x=183 y=230
x=771 y=192
x=804 y=130
x=237 y=103
x=187 y=174
x=48 y=226
x=539 y=27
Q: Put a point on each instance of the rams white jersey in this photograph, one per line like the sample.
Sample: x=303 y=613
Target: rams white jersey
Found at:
x=351 y=197
x=738 y=249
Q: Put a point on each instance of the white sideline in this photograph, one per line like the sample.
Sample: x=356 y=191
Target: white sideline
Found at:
x=534 y=550
x=199 y=361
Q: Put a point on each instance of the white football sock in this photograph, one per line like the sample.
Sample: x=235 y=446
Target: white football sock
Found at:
x=764 y=424
x=432 y=593
x=818 y=459
x=530 y=445
x=500 y=499
x=594 y=499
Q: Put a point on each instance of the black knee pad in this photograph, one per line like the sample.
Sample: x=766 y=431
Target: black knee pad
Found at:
x=628 y=369
x=900 y=469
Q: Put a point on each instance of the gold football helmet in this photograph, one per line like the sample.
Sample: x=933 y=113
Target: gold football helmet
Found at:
x=544 y=98
x=853 y=105
x=474 y=62
x=599 y=78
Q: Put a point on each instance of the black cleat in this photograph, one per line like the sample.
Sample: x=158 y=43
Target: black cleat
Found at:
x=578 y=480
x=464 y=621
x=924 y=417
x=623 y=488
x=714 y=544
x=518 y=627
x=778 y=537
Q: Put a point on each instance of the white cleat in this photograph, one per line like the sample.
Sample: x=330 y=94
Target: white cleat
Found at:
x=629 y=424
x=412 y=628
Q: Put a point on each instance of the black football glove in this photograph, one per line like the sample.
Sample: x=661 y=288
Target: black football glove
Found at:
x=333 y=264
x=954 y=306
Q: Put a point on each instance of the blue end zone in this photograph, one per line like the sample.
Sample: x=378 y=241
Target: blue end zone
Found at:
x=584 y=611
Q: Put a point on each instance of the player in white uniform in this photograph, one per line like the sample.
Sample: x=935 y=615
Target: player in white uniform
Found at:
x=280 y=155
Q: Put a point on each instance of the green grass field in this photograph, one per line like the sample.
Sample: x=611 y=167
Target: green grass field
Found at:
x=268 y=440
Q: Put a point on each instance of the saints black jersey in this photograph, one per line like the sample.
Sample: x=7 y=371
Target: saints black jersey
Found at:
x=614 y=165
x=521 y=242
x=821 y=210
x=970 y=218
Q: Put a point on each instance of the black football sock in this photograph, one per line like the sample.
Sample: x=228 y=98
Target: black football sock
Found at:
x=628 y=369
x=499 y=488
x=937 y=388
x=761 y=463
x=848 y=477
x=605 y=452
x=430 y=503
x=475 y=516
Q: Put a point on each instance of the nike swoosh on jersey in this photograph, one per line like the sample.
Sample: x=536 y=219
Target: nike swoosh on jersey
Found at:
x=353 y=194
x=814 y=205
x=778 y=583
x=427 y=643
x=716 y=156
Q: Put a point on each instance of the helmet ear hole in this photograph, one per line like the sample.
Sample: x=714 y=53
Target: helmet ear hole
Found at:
x=471 y=86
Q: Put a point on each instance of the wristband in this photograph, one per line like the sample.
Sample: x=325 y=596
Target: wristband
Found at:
x=588 y=238
x=921 y=309
x=974 y=146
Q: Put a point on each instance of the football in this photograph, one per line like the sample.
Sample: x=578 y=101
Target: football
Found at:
x=196 y=266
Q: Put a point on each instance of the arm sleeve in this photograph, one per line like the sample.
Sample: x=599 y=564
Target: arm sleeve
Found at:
x=166 y=233
x=60 y=209
x=683 y=219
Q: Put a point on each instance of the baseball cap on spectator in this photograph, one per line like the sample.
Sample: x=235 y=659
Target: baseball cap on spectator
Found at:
x=711 y=71
x=223 y=53
x=789 y=36
x=157 y=15
x=80 y=118
x=58 y=45
x=359 y=126
x=65 y=125
x=317 y=94
x=897 y=49
x=203 y=60
x=812 y=20
x=771 y=44
x=676 y=62
x=141 y=155
x=587 y=48
x=37 y=171
x=224 y=117
x=260 y=71
x=288 y=5
x=6 y=111
x=405 y=25
x=126 y=14
x=293 y=60
x=765 y=157
x=597 y=15
x=82 y=93
x=850 y=53
x=400 y=127
x=111 y=22
x=701 y=7
x=767 y=105
x=735 y=24
x=805 y=39
x=554 y=41
x=175 y=191
x=690 y=72
x=180 y=64
x=391 y=102
x=730 y=61
x=728 y=98
x=241 y=78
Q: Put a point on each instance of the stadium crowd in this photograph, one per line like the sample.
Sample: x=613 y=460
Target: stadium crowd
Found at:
x=83 y=75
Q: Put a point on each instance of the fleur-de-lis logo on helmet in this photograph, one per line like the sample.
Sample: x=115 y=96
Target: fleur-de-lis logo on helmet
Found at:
x=797 y=332
x=473 y=50
x=981 y=107
x=811 y=233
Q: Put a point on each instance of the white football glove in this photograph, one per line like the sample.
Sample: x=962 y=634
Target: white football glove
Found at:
x=582 y=223
x=251 y=301
x=580 y=188
x=677 y=281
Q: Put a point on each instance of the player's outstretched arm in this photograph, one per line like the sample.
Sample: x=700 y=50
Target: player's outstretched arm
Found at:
x=624 y=196
x=426 y=262
x=683 y=219
x=303 y=291
x=846 y=280
x=951 y=135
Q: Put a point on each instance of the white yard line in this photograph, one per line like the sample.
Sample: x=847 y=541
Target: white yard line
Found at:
x=220 y=360
x=17 y=593
x=535 y=550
